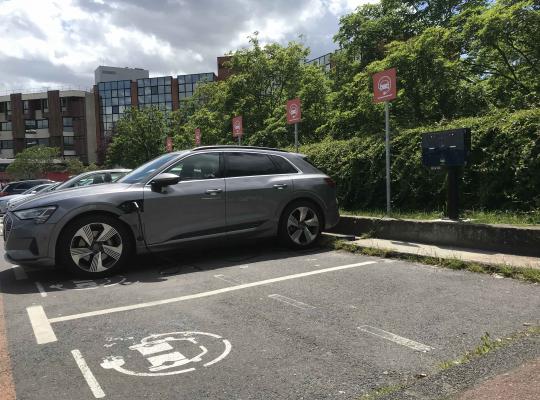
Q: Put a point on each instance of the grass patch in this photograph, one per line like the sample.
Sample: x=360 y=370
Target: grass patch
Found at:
x=383 y=391
x=487 y=345
x=524 y=274
x=479 y=216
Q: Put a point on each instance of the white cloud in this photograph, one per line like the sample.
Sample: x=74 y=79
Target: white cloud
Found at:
x=62 y=41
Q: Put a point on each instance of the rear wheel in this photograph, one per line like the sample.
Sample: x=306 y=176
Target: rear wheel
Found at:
x=300 y=224
x=94 y=246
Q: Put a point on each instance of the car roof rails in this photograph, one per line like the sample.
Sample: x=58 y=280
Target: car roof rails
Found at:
x=236 y=147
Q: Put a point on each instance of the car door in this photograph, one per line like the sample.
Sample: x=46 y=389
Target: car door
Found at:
x=256 y=190
x=194 y=207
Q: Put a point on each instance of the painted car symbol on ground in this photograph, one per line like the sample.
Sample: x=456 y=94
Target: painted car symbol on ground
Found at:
x=170 y=354
x=85 y=284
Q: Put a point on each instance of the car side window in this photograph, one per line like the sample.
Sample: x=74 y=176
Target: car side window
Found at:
x=198 y=166
x=248 y=164
x=25 y=185
x=284 y=166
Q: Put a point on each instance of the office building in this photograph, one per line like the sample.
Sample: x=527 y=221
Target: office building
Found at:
x=109 y=74
x=322 y=61
x=63 y=119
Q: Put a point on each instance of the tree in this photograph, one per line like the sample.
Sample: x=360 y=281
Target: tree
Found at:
x=264 y=78
x=33 y=162
x=74 y=166
x=501 y=45
x=140 y=135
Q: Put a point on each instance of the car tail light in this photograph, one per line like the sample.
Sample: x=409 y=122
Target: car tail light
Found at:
x=3 y=194
x=330 y=182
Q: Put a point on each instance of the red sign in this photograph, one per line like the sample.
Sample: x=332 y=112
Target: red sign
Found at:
x=237 y=127
x=168 y=144
x=197 y=137
x=294 y=111
x=384 y=86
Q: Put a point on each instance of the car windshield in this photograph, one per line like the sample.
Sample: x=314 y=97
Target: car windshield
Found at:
x=36 y=189
x=145 y=171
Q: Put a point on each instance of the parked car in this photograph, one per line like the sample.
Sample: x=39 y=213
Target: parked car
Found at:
x=94 y=178
x=207 y=192
x=84 y=179
x=4 y=201
x=22 y=186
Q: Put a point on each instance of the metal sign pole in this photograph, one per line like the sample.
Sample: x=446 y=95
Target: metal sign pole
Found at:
x=240 y=140
x=387 y=142
x=296 y=137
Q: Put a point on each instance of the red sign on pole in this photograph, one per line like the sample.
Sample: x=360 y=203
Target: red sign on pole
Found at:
x=294 y=111
x=384 y=86
x=168 y=144
x=197 y=137
x=237 y=128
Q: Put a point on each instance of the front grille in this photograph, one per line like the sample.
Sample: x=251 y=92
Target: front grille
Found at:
x=8 y=223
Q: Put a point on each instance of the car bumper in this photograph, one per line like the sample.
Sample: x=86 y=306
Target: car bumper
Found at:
x=26 y=242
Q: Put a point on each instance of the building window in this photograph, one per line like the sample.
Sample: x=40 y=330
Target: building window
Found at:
x=6 y=144
x=115 y=98
x=45 y=105
x=152 y=92
x=37 y=142
x=26 y=105
x=69 y=143
x=5 y=126
x=29 y=124
x=67 y=123
x=188 y=83
x=42 y=124
x=63 y=103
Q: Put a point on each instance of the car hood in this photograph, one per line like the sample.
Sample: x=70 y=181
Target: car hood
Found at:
x=91 y=193
x=11 y=197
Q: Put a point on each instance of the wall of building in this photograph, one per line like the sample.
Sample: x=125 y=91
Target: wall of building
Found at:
x=109 y=74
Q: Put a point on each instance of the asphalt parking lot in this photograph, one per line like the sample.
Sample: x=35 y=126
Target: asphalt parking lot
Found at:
x=248 y=321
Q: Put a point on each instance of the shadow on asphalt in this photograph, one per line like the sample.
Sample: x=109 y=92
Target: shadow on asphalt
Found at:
x=158 y=266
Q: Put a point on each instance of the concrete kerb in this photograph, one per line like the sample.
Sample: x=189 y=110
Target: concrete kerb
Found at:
x=501 y=238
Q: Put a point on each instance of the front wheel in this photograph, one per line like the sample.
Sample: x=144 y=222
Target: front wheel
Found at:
x=94 y=246
x=300 y=224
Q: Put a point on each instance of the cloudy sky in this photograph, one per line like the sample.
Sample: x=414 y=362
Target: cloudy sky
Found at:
x=60 y=42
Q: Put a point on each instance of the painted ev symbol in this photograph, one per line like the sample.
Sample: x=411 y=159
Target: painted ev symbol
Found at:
x=171 y=354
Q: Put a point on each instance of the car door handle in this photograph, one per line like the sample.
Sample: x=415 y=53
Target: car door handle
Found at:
x=280 y=186
x=213 y=192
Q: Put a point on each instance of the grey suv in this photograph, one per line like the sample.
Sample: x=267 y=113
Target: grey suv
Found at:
x=207 y=192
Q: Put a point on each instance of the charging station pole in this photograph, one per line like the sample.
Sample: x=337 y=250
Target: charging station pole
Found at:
x=387 y=145
x=384 y=90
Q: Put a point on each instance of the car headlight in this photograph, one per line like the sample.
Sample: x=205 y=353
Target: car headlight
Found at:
x=39 y=215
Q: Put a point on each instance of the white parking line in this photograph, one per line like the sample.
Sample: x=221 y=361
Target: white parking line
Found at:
x=207 y=294
x=228 y=279
x=395 y=338
x=88 y=375
x=41 y=289
x=292 y=302
x=41 y=325
x=19 y=272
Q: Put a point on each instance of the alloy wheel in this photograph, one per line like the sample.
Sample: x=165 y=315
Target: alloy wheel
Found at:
x=303 y=225
x=96 y=247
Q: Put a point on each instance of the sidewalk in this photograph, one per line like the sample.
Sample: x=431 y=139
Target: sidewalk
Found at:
x=463 y=254
x=522 y=383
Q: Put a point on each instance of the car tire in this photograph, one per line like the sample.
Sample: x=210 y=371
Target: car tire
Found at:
x=300 y=225
x=94 y=246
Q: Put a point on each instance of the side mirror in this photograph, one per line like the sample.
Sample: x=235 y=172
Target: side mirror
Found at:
x=163 y=180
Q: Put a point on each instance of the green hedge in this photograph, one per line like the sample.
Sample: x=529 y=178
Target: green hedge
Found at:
x=504 y=171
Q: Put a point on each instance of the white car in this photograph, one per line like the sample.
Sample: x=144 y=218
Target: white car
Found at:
x=36 y=189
